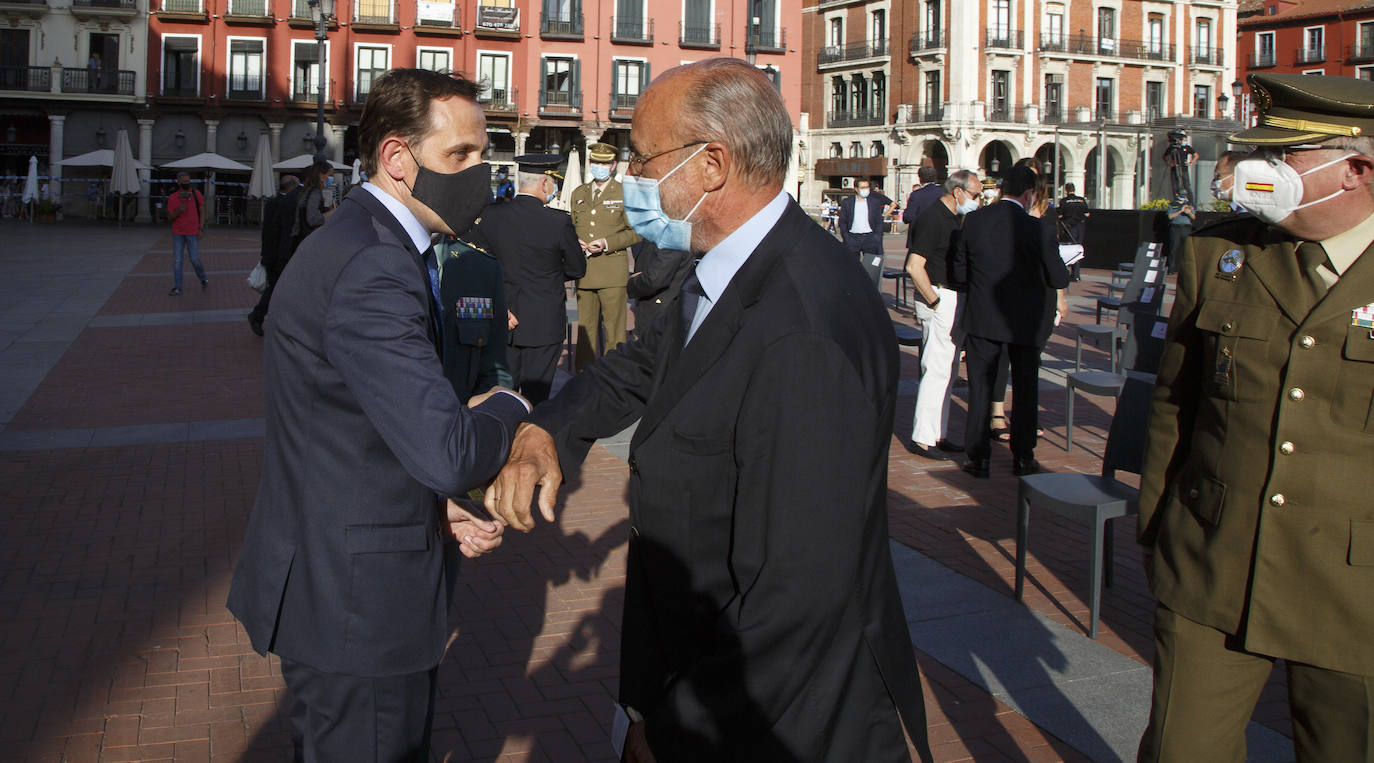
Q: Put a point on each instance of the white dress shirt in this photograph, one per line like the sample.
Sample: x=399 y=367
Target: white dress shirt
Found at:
x=718 y=266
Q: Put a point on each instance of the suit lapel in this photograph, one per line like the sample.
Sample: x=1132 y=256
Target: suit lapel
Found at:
x=1279 y=272
x=381 y=214
x=680 y=368
x=1354 y=289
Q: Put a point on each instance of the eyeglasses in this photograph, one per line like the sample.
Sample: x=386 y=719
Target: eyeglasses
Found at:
x=1278 y=154
x=637 y=161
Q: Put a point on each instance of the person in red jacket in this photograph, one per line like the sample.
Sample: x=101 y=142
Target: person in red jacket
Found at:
x=185 y=208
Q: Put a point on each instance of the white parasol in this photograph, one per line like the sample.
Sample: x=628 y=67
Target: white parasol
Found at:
x=124 y=173
x=261 y=185
x=303 y=161
x=30 y=196
x=571 y=181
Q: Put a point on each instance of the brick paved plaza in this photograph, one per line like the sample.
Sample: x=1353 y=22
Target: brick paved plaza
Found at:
x=129 y=459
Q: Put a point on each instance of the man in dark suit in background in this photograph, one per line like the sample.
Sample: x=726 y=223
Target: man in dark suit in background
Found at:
x=538 y=250
x=343 y=570
x=762 y=619
x=277 y=244
x=920 y=200
x=656 y=280
x=862 y=217
x=1010 y=263
x=472 y=298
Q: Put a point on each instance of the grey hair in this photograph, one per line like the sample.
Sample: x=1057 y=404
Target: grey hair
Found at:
x=730 y=101
x=525 y=180
x=957 y=179
x=1362 y=145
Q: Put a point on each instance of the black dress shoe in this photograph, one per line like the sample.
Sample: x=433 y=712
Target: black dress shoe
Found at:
x=949 y=447
x=978 y=467
x=917 y=449
x=1023 y=466
x=255 y=325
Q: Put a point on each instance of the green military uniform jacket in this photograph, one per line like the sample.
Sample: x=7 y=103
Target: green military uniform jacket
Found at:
x=473 y=301
x=1257 y=495
x=603 y=218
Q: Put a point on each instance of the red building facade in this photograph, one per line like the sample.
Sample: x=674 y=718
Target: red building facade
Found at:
x=1331 y=37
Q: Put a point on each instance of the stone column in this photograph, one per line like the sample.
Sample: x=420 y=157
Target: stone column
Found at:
x=145 y=155
x=336 y=137
x=275 y=128
x=520 y=139
x=211 y=134
x=55 y=155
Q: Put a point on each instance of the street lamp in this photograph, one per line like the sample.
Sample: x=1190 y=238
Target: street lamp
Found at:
x=1222 y=102
x=1237 y=88
x=179 y=138
x=242 y=140
x=100 y=137
x=320 y=13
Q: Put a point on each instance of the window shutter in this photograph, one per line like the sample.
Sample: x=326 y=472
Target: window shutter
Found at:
x=575 y=96
x=544 y=85
x=645 y=79
x=615 y=79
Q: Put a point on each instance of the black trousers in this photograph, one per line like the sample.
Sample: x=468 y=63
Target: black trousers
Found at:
x=338 y=717
x=982 y=359
x=260 y=310
x=532 y=369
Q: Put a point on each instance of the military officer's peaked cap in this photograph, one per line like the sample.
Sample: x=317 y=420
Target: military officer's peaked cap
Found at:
x=1300 y=108
x=541 y=164
x=601 y=152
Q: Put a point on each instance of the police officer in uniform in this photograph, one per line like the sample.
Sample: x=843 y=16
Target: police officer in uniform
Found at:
x=1255 y=509
x=538 y=251
x=472 y=298
x=598 y=213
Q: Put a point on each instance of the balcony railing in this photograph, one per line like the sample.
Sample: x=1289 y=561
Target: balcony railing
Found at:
x=1006 y=114
x=1359 y=53
x=927 y=40
x=560 y=102
x=698 y=35
x=305 y=92
x=182 y=6
x=1262 y=60
x=632 y=30
x=854 y=51
x=1103 y=114
x=251 y=94
x=1311 y=55
x=1052 y=115
x=767 y=40
x=499 y=100
x=624 y=101
x=856 y=118
x=1005 y=39
x=184 y=91
x=36 y=79
x=108 y=81
x=554 y=26
x=124 y=5
x=1088 y=45
x=1205 y=56
x=932 y=114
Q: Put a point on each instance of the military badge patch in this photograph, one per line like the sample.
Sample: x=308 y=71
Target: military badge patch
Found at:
x=1228 y=267
x=473 y=307
x=1363 y=316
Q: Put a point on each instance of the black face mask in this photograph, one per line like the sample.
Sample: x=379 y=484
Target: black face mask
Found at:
x=458 y=198
x=184 y=186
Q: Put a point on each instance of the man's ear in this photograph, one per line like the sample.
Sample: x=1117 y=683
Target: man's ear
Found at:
x=393 y=158
x=717 y=165
x=1359 y=172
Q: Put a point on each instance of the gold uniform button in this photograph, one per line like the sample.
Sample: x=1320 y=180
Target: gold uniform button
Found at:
x=1296 y=394
x=1227 y=326
x=1307 y=342
x=1276 y=499
x=1286 y=448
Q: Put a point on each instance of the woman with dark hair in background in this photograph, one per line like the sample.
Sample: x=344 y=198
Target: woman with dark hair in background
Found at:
x=313 y=207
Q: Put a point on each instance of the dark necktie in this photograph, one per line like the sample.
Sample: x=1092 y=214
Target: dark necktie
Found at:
x=1310 y=256
x=691 y=297
x=432 y=267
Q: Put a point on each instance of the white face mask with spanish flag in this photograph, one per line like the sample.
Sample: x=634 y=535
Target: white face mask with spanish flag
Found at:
x=1271 y=190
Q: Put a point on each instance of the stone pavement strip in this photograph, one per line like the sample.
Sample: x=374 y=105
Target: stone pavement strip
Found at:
x=129 y=458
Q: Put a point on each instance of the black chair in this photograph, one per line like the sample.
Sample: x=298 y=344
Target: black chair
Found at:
x=1094 y=500
x=1143 y=332
x=1148 y=258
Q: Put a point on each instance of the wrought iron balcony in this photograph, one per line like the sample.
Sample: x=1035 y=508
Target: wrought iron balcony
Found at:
x=927 y=41
x=854 y=51
x=624 y=101
x=560 y=102
x=1360 y=52
x=856 y=118
x=1006 y=39
x=559 y=26
x=1311 y=55
x=1088 y=45
x=108 y=81
x=182 y=6
x=1262 y=60
x=37 y=79
x=766 y=39
x=698 y=35
x=124 y=5
x=249 y=8
x=632 y=31
x=1205 y=56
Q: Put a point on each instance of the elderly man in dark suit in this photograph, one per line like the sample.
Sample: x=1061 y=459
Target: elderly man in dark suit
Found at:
x=344 y=572
x=539 y=251
x=762 y=619
x=277 y=243
x=1010 y=264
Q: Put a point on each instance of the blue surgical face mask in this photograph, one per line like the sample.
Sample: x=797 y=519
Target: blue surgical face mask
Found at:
x=600 y=172
x=644 y=211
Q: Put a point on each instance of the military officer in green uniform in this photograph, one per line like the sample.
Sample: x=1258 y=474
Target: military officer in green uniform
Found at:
x=472 y=299
x=598 y=214
x=1256 y=513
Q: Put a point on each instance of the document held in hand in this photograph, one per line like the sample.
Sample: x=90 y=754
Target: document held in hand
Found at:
x=1070 y=253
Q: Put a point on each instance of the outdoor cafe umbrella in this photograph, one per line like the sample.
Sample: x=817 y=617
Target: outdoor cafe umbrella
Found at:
x=303 y=161
x=124 y=175
x=572 y=179
x=357 y=176
x=101 y=157
x=31 y=186
x=211 y=161
x=260 y=185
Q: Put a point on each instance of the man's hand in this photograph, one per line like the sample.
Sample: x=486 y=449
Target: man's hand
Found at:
x=477 y=400
x=467 y=525
x=637 y=745
x=596 y=247
x=511 y=321
x=533 y=461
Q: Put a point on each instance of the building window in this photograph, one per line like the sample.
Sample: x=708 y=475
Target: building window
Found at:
x=933 y=23
x=1000 y=26
x=1365 y=72
x=839 y=94
x=248 y=7
x=1314 y=44
x=1000 y=99
x=434 y=59
x=856 y=150
x=1154 y=36
x=493 y=73
x=1202 y=101
x=858 y=93
x=306 y=81
x=837 y=33
x=1364 y=46
x=879 y=99
x=181 y=65
x=373 y=12
x=696 y=24
x=373 y=61
x=1154 y=100
x=1264 y=49
x=1106 y=31
x=560 y=86
x=934 y=97
x=1054 y=26
x=629 y=20
x=1054 y=98
x=836 y=151
x=1105 y=97
x=245 y=68
x=1202 y=43
x=15 y=73
x=875 y=149
x=628 y=80
x=878 y=31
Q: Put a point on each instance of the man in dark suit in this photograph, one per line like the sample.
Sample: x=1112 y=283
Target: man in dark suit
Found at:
x=920 y=200
x=762 y=619
x=657 y=277
x=539 y=251
x=277 y=243
x=1010 y=264
x=472 y=296
x=344 y=572
x=862 y=231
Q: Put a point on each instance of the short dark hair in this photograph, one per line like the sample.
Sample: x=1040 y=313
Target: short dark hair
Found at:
x=398 y=104
x=925 y=173
x=1018 y=181
x=862 y=180
x=1069 y=189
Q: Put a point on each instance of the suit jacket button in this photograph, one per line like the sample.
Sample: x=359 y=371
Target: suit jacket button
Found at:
x=1307 y=342
x=1286 y=448
x=1193 y=494
x=1227 y=326
x=1276 y=499
x=1296 y=394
